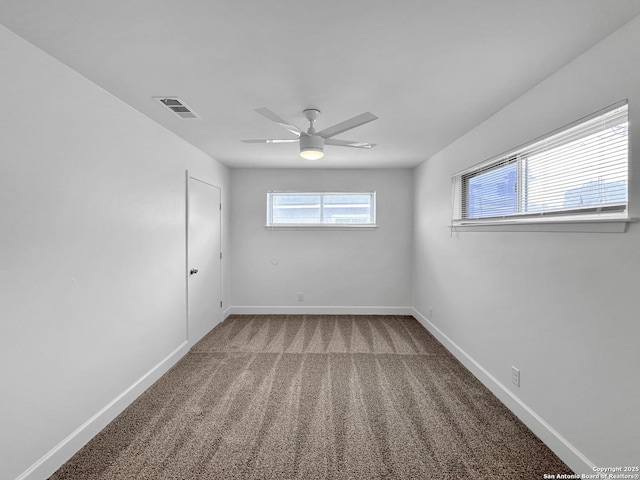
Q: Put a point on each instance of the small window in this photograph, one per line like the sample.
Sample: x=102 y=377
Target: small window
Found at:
x=321 y=209
x=579 y=170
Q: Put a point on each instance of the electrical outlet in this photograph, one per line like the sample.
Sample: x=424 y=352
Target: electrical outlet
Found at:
x=301 y=297
x=515 y=376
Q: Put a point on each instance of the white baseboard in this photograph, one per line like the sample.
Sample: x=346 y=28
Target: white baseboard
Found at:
x=556 y=442
x=296 y=310
x=62 y=452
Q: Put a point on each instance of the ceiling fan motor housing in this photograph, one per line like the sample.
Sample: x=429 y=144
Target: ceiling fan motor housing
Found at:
x=308 y=142
x=311 y=146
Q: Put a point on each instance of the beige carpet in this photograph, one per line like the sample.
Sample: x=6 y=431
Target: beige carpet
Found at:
x=315 y=397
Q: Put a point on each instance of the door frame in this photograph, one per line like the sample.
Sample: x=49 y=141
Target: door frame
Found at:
x=186 y=269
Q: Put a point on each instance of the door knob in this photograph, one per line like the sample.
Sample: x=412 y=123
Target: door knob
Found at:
x=193 y=271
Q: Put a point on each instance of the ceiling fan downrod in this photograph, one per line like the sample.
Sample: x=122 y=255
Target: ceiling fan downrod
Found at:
x=312 y=115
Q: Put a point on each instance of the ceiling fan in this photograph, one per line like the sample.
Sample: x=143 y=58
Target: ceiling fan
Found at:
x=311 y=142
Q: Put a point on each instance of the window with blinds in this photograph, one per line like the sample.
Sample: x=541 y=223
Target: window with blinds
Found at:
x=305 y=209
x=582 y=169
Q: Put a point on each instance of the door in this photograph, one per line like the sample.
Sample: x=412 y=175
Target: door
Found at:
x=204 y=264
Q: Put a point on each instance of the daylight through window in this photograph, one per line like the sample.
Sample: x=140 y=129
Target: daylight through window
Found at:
x=325 y=208
x=582 y=169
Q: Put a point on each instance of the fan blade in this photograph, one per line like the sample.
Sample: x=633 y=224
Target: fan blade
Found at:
x=348 y=143
x=348 y=125
x=272 y=140
x=265 y=112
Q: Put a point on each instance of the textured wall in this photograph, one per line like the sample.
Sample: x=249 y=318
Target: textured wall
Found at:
x=345 y=267
x=562 y=307
x=92 y=270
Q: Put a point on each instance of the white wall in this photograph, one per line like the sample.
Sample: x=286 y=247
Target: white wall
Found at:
x=92 y=262
x=342 y=268
x=562 y=307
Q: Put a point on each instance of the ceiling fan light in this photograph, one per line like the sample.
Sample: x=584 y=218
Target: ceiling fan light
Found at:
x=311 y=147
x=311 y=153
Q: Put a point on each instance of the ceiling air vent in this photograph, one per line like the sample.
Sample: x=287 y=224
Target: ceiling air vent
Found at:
x=177 y=106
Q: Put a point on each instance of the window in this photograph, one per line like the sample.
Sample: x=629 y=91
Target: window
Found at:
x=579 y=170
x=321 y=209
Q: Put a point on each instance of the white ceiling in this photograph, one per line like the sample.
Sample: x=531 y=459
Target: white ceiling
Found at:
x=431 y=70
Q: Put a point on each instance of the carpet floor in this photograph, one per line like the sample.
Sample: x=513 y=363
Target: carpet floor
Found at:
x=315 y=397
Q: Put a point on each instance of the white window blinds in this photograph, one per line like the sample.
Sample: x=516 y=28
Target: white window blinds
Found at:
x=581 y=169
x=321 y=209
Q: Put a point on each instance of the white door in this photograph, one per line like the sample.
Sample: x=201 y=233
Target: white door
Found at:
x=204 y=264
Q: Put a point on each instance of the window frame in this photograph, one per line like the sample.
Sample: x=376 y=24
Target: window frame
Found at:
x=538 y=220
x=372 y=205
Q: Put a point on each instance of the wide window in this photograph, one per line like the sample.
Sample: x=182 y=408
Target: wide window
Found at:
x=321 y=208
x=580 y=170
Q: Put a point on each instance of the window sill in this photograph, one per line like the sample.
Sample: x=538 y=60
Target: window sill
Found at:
x=328 y=226
x=582 y=225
